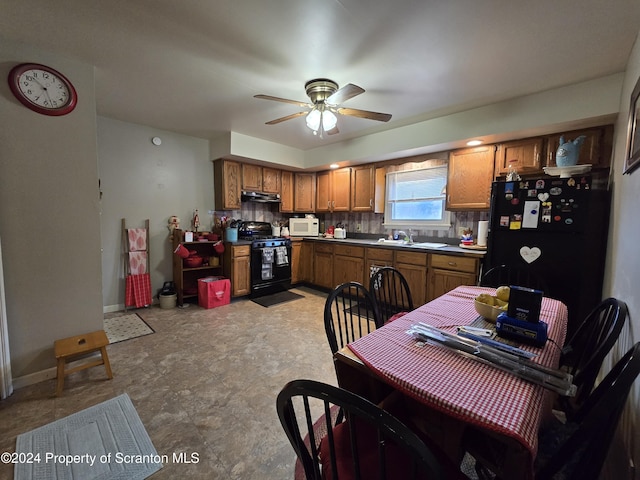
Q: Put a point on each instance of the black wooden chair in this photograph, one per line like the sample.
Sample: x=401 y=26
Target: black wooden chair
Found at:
x=577 y=449
x=350 y=312
x=584 y=352
x=364 y=442
x=391 y=292
x=513 y=275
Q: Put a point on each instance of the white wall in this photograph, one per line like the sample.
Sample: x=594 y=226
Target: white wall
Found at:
x=140 y=181
x=622 y=279
x=49 y=220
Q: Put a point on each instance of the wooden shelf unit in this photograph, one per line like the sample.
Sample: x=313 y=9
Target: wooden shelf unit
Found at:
x=185 y=278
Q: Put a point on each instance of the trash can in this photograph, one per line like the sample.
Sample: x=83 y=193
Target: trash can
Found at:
x=168 y=300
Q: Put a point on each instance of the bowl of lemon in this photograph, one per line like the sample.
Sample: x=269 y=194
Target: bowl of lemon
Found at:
x=490 y=306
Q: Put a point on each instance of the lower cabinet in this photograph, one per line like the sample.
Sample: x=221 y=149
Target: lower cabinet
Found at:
x=413 y=265
x=348 y=264
x=237 y=267
x=448 y=272
x=301 y=262
x=323 y=266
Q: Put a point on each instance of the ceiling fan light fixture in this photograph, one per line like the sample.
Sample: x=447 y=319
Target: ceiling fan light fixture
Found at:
x=329 y=120
x=313 y=119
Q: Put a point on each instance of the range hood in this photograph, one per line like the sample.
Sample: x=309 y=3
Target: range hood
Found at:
x=260 y=197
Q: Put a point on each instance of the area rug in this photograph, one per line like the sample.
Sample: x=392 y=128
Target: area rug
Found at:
x=277 y=298
x=107 y=441
x=125 y=327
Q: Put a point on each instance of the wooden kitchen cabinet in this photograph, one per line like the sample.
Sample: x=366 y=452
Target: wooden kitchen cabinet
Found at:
x=260 y=179
x=376 y=258
x=251 y=177
x=348 y=264
x=301 y=261
x=413 y=265
x=333 y=190
x=237 y=267
x=596 y=148
x=304 y=198
x=469 y=178
x=448 y=272
x=186 y=278
x=271 y=180
x=363 y=188
x=286 y=192
x=380 y=191
x=227 y=181
x=525 y=156
x=323 y=266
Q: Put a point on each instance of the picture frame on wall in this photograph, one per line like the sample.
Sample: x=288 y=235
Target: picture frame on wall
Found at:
x=632 y=159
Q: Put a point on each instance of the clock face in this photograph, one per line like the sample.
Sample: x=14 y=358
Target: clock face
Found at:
x=42 y=89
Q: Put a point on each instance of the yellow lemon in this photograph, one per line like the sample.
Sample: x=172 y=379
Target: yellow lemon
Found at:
x=503 y=293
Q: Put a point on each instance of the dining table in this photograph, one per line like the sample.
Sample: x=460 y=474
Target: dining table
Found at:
x=463 y=404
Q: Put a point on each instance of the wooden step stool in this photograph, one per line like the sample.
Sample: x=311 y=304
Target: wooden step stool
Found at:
x=72 y=348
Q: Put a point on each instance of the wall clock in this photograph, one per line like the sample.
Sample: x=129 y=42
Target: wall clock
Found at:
x=42 y=89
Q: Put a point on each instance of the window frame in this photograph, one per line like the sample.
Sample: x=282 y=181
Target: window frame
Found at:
x=443 y=223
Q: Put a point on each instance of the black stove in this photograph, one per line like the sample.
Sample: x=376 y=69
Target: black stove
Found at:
x=270 y=258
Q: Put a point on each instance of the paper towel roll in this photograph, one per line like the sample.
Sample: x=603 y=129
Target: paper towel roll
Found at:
x=483 y=230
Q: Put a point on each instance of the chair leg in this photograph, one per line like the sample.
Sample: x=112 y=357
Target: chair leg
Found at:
x=60 y=385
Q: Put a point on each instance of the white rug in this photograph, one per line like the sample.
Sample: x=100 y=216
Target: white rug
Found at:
x=107 y=442
x=124 y=327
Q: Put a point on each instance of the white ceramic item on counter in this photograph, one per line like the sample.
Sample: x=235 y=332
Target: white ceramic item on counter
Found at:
x=284 y=231
x=340 y=233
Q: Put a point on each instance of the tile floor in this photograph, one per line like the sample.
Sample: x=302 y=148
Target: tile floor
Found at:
x=206 y=382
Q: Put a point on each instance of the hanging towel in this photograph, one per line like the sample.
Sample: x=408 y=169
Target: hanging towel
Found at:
x=137 y=239
x=267 y=271
x=137 y=263
x=267 y=255
x=138 y=290
x=281 y=256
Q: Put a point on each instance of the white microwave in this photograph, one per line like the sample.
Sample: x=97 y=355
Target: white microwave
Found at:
x=304 y=227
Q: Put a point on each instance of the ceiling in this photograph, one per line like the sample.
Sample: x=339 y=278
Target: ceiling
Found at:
x=193 y=67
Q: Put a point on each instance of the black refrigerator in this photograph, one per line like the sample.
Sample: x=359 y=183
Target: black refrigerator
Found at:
x=557 y=228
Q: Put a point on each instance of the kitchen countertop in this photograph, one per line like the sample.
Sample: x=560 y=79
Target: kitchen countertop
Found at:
x=449 y=250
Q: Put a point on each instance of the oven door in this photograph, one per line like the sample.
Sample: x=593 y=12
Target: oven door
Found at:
x=270 y=269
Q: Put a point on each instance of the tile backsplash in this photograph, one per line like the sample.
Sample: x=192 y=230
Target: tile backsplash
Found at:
x=370 y=223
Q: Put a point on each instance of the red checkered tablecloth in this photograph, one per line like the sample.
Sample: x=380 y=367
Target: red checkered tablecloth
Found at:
x=459 y=386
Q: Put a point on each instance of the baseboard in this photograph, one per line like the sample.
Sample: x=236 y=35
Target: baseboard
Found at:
x=49 y=373
x=120 y=307
x=35 y=377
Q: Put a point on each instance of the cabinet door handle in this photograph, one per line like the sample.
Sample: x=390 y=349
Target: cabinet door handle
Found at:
x=453 y=264
x=328 y=203
x=371 y=202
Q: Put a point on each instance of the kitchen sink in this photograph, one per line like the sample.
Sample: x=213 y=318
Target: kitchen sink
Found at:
x=429 y=245
x=417 y=245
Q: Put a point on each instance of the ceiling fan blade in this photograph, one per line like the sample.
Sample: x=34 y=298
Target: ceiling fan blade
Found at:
x=288 y=117
x=353 y=112
x=285 y=100
x=345 y=93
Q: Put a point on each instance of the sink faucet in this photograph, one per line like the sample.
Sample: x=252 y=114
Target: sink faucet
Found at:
x=408 y=238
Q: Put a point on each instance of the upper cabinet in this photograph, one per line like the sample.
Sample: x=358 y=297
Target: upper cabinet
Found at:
x=595 y=150
x=286 y=192
x=304 y=192
x=333 y=190
x=469 y=178
x=260 y=179
x=227 y=181
x=363 y=188
x=525 y=156
x=271 y=180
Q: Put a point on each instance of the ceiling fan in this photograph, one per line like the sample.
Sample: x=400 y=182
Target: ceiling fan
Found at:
x=325 y=100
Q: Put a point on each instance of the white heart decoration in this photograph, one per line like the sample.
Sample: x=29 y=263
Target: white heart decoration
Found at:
x=543 y=196
x=530 y=254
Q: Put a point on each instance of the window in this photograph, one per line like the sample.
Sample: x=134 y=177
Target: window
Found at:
x=416 y=198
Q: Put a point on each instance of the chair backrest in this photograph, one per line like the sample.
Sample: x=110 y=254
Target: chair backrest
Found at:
x=384 y=446
x=391 y=292
x=591 y=431
x=350 y=312
x=583 y=354
x=513 y=275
